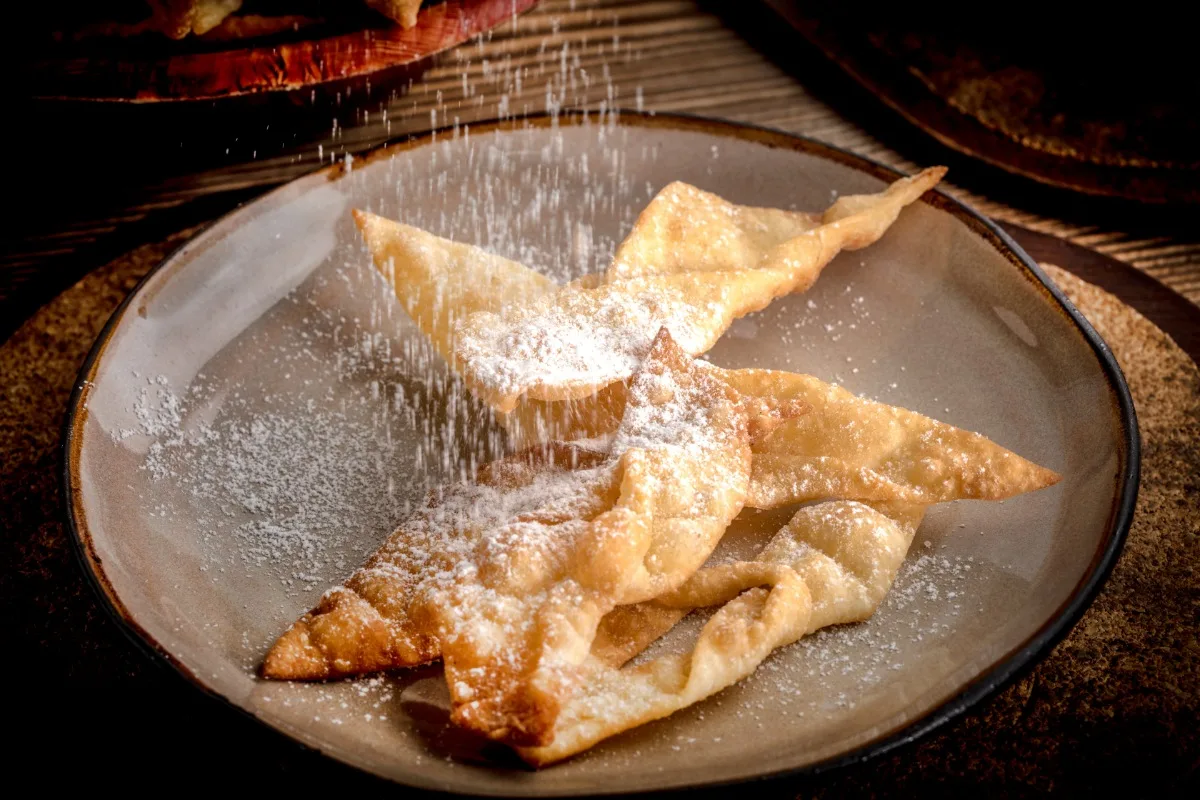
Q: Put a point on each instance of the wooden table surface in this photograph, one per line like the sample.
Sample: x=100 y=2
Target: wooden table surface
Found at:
x=94 y=181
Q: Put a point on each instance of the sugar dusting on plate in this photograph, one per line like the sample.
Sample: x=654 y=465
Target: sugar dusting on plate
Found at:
x=273 y=490
x=284 y=487
x=275 y=479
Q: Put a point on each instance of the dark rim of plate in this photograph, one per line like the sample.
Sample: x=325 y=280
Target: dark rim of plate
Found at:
x=1003 y=672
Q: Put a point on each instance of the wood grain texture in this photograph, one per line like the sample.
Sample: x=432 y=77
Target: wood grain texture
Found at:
x=99 y=180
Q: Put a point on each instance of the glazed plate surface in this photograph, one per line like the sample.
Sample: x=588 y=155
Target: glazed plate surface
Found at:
x=260 y=413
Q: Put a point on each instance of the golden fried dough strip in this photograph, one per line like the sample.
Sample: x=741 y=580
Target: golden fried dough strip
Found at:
x=683 y=442
x=178 y=18
x=847 y=447
x=513 y=582
x=373 y=621
x=402 y=11
x=686 y=229
x=572 y=343
x=832 y=563
x=858 y=449
x=439 y=281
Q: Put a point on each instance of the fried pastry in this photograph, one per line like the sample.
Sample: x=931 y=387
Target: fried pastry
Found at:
x=402 y=11
x=570 y=344
x=686 y=229
x=848 y=447
x=681 y=268
x=440 y=282
x=510 y=576
x=832 y=563
x=218 y=19
x=857 y=449
x=178 y=18
x=375 y=621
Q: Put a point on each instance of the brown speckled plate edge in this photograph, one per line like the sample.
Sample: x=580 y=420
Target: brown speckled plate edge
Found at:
x=1004 y=671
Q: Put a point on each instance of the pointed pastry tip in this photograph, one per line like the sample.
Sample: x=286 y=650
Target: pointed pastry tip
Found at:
x=294 y=657
x=1046 y=478
x=371 y=225
x=1014 y=475
x=343 y=635
x=935 y=173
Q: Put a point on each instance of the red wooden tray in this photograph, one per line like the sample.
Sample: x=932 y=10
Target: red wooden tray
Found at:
x=129 y=76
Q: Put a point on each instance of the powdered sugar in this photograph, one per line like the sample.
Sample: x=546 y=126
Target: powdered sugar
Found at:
x=157 y=415
x=273 y=489
x=672 y=410
x=522 y=516
x=589 y=337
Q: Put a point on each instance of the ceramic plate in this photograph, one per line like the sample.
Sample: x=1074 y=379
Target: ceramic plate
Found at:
x=259 y=413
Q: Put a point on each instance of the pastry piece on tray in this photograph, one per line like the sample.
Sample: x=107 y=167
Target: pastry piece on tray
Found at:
x=178 y=18
x=832 y=563
x=439 y=282
x=402 y=11
x=181 y=18
x=692 y=264
x=380 y=618
x=509 y=577
x=844 y=551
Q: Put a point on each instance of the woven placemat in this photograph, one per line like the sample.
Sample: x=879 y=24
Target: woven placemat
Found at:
x=1115 y=706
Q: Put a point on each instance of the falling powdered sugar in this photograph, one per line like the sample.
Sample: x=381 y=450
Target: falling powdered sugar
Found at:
x=577 y=337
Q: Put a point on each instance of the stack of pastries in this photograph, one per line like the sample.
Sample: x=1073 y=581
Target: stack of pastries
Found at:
x=538 y=581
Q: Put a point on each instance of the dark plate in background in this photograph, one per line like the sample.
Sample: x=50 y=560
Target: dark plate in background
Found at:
x=1105 y=105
